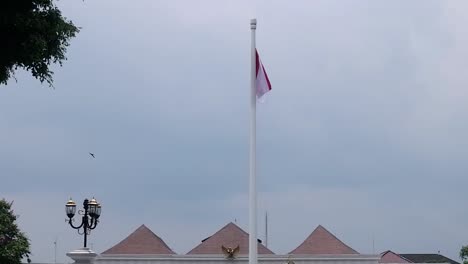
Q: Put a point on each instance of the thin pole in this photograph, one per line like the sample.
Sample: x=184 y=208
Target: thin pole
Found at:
x=373 y=244
x=253 y=123
x=85 y=222
x=266 y=229
x=55 y=250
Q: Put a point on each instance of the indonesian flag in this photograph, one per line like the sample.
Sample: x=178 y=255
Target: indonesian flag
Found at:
x=262 y=83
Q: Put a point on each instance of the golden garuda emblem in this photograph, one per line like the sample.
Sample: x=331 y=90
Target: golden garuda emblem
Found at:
x=230 y=252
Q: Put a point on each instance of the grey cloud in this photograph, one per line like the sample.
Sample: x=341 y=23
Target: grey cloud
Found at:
x=367 y=106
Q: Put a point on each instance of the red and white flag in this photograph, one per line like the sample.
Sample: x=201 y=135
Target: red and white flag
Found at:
x=262 y=83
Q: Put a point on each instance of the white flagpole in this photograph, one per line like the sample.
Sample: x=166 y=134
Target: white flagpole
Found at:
x=253 y=128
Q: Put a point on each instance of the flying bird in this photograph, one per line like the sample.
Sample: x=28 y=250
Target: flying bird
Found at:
x=92 y=155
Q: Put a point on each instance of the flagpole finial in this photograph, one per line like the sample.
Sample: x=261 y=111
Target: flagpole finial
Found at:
x=253 y=23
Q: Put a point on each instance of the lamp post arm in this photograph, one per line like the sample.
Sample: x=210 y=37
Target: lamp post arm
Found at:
x=75 y=227
x=93 y=224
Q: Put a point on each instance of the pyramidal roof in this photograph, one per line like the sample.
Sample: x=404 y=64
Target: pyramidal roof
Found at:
x=229 y=236
x=321 y=241
x=141 y=241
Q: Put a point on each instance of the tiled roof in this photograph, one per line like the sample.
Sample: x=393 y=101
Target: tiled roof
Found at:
x=321 y=241
x=392 y=257
x=428 y=258
x=141 y=241
x=229 y=236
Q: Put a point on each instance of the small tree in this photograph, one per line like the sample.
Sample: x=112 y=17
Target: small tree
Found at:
x=464 y=254
x=34 y=34
x=14 y=245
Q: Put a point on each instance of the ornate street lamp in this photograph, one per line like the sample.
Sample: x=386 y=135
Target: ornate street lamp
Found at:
x=89 y=221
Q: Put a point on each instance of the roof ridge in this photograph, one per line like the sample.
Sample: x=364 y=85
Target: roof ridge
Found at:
x=337 y=238
x=313 y=243
x=150 y=243
x=221 y=229
x=416 y=257
x=383 y=254
x=158 y=237
x=230 y=233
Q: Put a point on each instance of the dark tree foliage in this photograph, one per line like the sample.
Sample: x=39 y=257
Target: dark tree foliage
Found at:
x=33 y=35
x=464 y=254
x=14 y=245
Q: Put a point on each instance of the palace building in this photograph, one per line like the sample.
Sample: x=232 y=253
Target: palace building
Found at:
x=230 y=244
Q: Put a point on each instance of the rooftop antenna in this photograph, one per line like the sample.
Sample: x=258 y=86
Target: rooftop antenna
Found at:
x=55 y=250
x=373 y=244
x=266 y=229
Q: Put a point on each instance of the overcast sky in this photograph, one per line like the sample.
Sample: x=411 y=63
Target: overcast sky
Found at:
x=364 y=132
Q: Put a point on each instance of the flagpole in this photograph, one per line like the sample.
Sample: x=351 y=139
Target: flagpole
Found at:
x=253 y=128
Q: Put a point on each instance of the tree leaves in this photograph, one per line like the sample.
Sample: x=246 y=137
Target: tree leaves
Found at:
x=34 y=35
x=14 y=245
x=464 y=254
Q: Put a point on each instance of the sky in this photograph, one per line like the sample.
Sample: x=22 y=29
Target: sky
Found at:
x=364 y=130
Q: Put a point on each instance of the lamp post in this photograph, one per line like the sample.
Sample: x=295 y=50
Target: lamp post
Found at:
x=91 y=212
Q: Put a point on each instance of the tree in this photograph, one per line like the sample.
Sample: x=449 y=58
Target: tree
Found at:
x=33 y=34
x=464 y=254
x=14 y=245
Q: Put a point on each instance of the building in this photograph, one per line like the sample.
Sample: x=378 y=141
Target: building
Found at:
x=390 y=257
x=230 y=244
